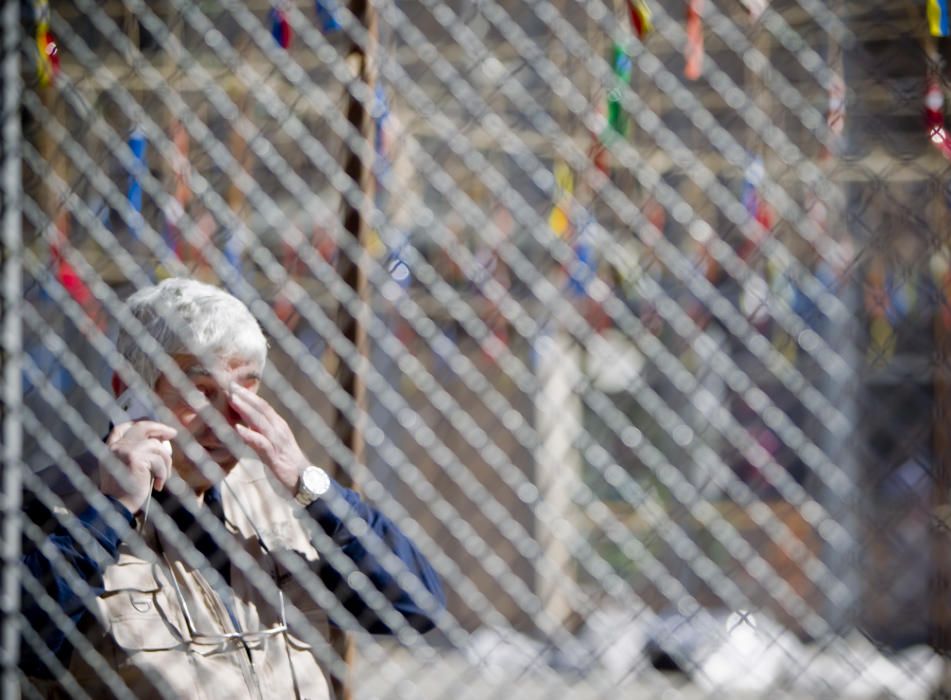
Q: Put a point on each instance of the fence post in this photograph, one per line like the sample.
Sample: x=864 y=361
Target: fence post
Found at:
x=362 y=62
x=10 y=347
x=940 y=610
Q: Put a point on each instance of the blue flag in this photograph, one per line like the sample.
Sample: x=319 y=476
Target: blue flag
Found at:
x=327 y=15
x=137 y=144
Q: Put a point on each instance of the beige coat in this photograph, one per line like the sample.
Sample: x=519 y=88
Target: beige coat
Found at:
x=145 y=636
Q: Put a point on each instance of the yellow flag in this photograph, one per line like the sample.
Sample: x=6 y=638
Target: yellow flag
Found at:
x=564 y=188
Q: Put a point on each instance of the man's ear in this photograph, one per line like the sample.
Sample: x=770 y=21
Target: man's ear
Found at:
x=118 y=386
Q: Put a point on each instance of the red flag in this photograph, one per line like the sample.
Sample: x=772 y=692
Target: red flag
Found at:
x=65 y=273
x=280 y=27
x=934 y=118
x=640 y=16
x=693 y=51
x=47 y=66
x=47 y=59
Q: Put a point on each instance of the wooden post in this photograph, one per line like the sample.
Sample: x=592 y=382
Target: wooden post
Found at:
x=940 y=612
x=940 y=607
x=559 y=419
x=353 y=271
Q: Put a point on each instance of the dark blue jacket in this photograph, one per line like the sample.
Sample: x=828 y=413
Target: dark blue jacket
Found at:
x=89 y=568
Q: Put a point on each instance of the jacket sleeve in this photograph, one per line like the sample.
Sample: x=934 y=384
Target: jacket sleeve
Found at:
x=38 y=566
x=418 y=615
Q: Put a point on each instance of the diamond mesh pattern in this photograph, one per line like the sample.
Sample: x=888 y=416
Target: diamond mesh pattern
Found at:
x=651 y=367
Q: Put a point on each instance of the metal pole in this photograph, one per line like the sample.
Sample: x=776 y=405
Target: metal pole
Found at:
x=10 y=348
x=847 y=565
x=352 y=271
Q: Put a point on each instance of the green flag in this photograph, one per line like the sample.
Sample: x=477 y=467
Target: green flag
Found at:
x=617 y=119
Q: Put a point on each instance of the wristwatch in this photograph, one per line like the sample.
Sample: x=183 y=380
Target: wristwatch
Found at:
x=313 y=484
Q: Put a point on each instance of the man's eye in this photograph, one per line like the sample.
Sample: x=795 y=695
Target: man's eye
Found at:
x=209 y=394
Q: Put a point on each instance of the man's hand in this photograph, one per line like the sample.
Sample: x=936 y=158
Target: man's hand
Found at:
x=265 y=432
x=141 y=447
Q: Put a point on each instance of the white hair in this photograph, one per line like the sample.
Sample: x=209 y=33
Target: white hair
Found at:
x=188 y=317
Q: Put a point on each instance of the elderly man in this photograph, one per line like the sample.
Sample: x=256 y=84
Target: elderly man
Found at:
x=222 y=592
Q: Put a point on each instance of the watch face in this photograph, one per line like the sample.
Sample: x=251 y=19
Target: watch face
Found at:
x=315 y=480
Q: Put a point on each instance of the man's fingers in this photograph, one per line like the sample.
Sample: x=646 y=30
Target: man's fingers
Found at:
x=160 y=465
x=150 y=429
x=118 y=432
x=141 y=429
x=272 y=440
x=144 y=448
x=257 y=442
x=255 y=410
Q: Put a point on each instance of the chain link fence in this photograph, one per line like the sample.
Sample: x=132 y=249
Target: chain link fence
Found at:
x=633 y=315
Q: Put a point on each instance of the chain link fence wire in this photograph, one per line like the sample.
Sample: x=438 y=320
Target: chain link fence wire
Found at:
x=632 y=315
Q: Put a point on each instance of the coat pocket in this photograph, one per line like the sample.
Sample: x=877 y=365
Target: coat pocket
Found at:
x=136 y=610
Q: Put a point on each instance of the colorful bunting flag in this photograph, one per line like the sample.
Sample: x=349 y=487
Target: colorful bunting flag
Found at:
x=890 y=296
x=280 y=27
x=137 y=144
x=585 y=265
x=640 y=16
x=65 y=272
x=938 y=17
x=934 y=118
x=234 y=251
x=621 y=62
x=47 y=59
x=902 y=288
x=559 y=220
x=612 y=120
x=327 y=15
x=693 y=50
x=598 y=153
x=752 y=179
x=48 y=64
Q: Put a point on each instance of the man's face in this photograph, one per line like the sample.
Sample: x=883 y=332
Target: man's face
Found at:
x=210 y=388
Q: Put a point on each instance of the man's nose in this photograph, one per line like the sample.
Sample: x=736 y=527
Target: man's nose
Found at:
x=224 y=407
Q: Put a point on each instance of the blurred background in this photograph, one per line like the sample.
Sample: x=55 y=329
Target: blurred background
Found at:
x=654 y=298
